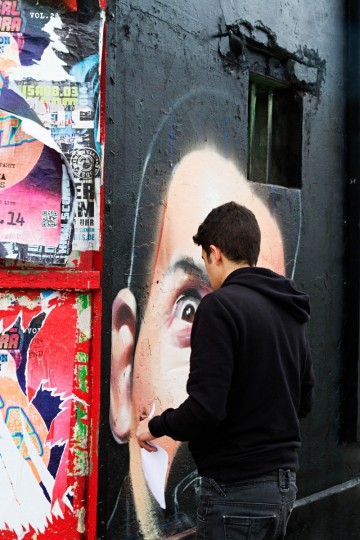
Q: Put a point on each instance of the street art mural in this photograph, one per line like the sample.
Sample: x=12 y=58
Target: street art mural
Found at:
x=44 y=413
x=49 y=119
x=192 y=165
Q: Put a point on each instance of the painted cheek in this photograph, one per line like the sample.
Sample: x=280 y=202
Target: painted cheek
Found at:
x=147 y=375
x=174 y=375
x=180 y=333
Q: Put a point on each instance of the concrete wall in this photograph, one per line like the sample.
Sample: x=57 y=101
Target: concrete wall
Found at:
x=177 y=114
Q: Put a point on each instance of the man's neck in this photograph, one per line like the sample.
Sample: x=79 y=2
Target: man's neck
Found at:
x=230 y=266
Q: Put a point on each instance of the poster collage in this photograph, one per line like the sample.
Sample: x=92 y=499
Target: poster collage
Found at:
x=50 y=179
x=50 y=155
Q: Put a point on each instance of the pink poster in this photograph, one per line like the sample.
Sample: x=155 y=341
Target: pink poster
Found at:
x=30 y=187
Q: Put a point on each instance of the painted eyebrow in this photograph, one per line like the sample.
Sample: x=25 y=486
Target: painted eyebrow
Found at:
x=188 y=266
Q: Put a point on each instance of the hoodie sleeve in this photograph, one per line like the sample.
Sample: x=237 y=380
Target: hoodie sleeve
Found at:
x=213 y=341
x=307 y=385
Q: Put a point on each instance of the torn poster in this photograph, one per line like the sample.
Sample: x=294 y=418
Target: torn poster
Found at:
x=50 y=160
x=44 y=412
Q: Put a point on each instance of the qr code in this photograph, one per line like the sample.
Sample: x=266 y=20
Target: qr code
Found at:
x=49 y=219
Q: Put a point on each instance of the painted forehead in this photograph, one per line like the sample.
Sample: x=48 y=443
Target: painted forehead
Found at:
x=188 y=266
x=201 y=180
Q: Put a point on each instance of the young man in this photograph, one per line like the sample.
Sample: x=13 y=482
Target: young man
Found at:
x=250 y=380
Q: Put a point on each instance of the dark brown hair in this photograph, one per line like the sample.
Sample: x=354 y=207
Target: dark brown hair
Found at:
x=233 y=229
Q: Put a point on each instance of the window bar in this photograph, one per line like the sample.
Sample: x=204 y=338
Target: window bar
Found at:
x=252 y=129
x=269 y=133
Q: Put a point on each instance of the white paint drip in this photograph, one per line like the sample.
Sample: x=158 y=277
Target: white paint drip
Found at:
x=299 y=237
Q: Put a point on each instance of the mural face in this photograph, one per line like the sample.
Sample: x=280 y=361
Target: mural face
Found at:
x=149 y=373
x=44 y=396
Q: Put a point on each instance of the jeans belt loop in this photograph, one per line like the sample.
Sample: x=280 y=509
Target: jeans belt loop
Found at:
x=284 y=479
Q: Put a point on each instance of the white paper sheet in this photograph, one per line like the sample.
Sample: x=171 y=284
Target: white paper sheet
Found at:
x=154 y=465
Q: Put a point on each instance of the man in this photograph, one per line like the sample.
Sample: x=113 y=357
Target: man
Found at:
x=152 y=325
x=250 y=380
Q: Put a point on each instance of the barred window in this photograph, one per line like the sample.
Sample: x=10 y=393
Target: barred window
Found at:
x=275 y=132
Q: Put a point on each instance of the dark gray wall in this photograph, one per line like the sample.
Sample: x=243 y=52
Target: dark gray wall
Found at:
x=166 y=62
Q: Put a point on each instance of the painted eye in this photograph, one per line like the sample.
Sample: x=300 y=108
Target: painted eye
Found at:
x=185 y=308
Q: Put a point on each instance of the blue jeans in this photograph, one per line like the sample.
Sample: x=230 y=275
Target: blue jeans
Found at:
x=256 y=509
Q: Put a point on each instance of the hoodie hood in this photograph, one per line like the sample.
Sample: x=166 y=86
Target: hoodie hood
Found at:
x=281 y=290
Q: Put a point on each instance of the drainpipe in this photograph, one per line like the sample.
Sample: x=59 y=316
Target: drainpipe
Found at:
x=350 y=417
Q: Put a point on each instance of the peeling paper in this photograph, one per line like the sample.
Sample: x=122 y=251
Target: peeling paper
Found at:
x=19 y=490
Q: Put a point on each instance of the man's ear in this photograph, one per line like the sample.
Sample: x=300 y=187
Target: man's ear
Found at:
x=215 y=254
x=122 y=351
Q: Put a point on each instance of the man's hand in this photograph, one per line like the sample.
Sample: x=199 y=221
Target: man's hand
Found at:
x=143 y=435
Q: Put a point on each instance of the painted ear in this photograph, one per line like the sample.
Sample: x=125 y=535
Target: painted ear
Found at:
x=122 y=351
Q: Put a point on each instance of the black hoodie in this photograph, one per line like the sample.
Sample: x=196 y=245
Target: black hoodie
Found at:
x=250 y=379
